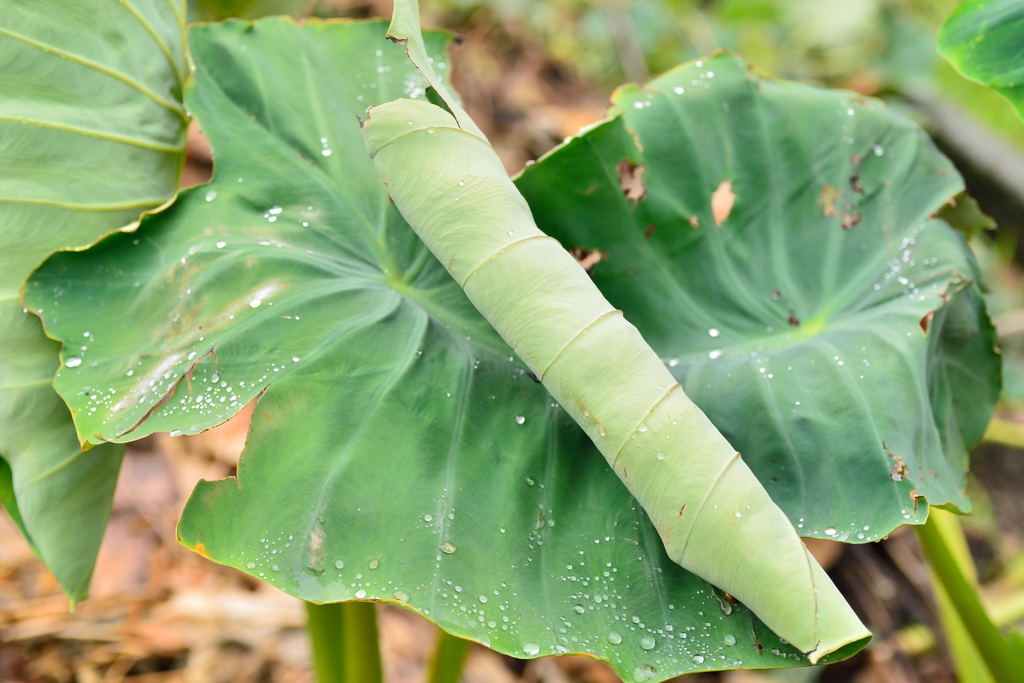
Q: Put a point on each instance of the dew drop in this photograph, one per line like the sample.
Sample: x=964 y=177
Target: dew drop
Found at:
x=339 y=564
x=448 y=548
x=729 y=639
x=647 y=643
x=531 y=649
x=374 y=563
x=831 y=531
x=716 y=353
x=73 y=361
x=579 y=609
x=210 y=195
x=360 y=594
x=614 y=638
x=221 y=244
x=713 y=332
x=698 y=659
x=520 y=419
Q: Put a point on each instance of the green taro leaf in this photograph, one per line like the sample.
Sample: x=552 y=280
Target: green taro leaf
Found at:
x=984 y=40
x=92 y=129
x=399 y=451
x=796 y=321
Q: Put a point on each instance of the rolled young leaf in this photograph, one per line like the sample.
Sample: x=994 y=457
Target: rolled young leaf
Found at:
x=713 y=515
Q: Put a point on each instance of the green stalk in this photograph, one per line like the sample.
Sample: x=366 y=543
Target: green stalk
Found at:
x=1005 y=610
x=343 y=638
x=968 y=662
x=714 y=517
x=449 y=655
x=999 y=656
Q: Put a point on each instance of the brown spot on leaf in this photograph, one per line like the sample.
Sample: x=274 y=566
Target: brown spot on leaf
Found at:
x=827 y=199
x=722 y=201
x=850 y=220
x=682 y=509
x=200 y=549
x=631 y=180
x=694 y=221
x=856 y=185
x=793 y=320
x=588 y=258
x=899 y=472
x=926 y=320
x=649 y=230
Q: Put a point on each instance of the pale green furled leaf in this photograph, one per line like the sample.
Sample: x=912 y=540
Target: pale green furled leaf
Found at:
x=984 y=40
x=399 y=452
x=92 y=128
x=712 y=514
